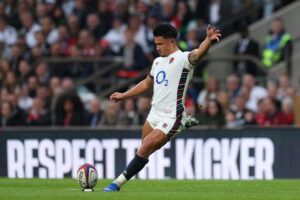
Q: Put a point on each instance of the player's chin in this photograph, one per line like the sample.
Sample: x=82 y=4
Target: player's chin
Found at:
x=162 y=54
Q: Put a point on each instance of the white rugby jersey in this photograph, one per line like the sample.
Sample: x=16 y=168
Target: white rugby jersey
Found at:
x=171 y=75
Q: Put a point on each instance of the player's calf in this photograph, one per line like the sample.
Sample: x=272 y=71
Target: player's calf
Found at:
x=155 y=140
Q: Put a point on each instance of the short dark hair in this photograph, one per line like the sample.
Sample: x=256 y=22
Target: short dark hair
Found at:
x=165 y=30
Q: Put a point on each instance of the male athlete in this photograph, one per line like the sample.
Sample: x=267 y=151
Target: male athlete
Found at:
x=169 y=79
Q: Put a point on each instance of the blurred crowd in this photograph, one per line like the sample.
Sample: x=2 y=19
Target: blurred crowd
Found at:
x=39 y=93
x=242 y=103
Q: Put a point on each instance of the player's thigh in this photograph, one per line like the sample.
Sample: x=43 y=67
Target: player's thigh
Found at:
x=153 y=141
x=147 y=128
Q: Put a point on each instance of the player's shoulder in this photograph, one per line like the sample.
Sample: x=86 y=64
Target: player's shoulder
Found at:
x=181 y=53
x=156 y=61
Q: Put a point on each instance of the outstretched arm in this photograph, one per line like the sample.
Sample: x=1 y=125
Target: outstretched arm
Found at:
x=140 y=88
x=197 y=54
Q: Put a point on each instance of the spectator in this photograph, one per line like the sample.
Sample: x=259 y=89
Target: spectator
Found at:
x=231 y=121
x=272 y=117
x=139 y=31
x=17 y=111
x=116 y=35
x=16 y=57
x=48 y=29
x=8 y=34
x=102 y=49
x=32 y=85
x=58 y=69
x=58 y=16
x=182 y=17
x=224 y=100
x=78 y=69
x=291 y=92
x=68 y=85
x=42 y=74
x=168 y=9
x=4 y=66
x=272 y=93
x=42 y=44
x=143 y=108
x=240 y=108
x=93 y=26
x=153 y=19
x=111 y=115
x=7 y=116
x=256 y=92
x=36 y=54
x=43 y=94
x=10 y=84
x=277 y=46
x=287 y=112
x=121 y=9
x=29 y=28
x=73 y=26
x=134 y=58
x=11 y=12
x=64 y=40
x=86 y=43
x=55 y=86
x=128 y=114
x=80 y=11
x=38 y=115
x=213 y=116
x=41 y=11
x=214 y=12
x=106 y=14
x=192 y=40
x=24 y=101
x=246 y=46
x=249 y=118
x=210 y=92
x=233 y=87
x=68 y=6
x=143 y=7
x=260 y=116
x=284 y=84
x=95 y=113
x=69 y=111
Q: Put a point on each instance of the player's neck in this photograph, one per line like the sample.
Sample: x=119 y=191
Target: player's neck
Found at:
x=173 y=50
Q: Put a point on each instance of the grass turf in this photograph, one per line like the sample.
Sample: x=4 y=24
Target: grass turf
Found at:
x=68 y=189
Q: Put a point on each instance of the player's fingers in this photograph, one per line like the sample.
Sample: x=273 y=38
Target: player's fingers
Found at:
x=208 y=27
x=112 y=97
x=219 y=35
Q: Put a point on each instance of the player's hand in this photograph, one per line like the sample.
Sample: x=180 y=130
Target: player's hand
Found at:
x=213 y=33
x=117 y=96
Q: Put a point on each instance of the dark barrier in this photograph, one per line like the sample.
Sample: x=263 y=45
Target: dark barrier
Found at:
x=194 y=154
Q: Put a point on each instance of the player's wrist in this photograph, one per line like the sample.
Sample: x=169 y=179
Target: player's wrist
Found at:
x=208 y=39
x=124 y=96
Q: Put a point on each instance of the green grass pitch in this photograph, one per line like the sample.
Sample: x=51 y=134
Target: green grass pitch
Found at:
x=68 y=189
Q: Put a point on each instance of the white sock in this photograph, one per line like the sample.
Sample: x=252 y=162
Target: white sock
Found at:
x=121 y=180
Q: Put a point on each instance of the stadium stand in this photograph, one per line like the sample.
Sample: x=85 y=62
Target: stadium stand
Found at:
x=60 y=60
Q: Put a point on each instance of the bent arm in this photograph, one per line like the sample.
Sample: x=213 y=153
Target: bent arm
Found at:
x=197 y=54
x=140 y=88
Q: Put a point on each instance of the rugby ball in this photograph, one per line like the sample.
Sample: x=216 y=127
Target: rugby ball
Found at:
x=87 y=177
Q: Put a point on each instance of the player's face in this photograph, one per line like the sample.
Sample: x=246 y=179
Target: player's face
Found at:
x=163 y=45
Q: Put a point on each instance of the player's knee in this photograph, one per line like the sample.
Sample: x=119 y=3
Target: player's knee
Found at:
x=147 y=148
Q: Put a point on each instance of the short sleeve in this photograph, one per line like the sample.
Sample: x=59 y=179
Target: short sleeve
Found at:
x=186 y=63
x=151 y=75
